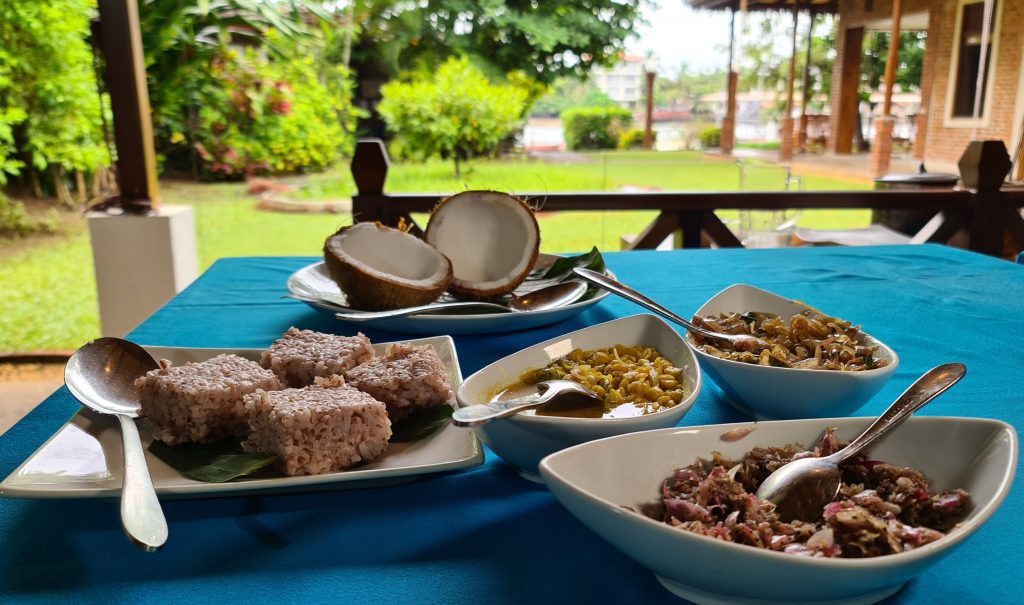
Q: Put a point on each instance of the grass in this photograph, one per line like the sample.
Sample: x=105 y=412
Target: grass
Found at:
x=47 y=286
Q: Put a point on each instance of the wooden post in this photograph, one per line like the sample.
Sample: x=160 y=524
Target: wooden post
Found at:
x=727 y=139
x=786 y=133
x=983 y=168
x=848 y=101
x=120 y=40
x=649 y=114
x=881 y=146
x=806 y=86
x=370 y=171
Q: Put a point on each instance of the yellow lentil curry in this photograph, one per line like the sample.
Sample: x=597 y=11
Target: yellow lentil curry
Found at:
x=631 y=381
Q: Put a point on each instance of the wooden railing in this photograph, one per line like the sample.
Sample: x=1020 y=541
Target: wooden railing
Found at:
x=981 y=207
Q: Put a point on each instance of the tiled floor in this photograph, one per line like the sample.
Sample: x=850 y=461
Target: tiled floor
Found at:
x=24 y=386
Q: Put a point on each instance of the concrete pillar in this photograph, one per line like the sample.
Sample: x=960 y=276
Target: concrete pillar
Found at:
x=141 y=262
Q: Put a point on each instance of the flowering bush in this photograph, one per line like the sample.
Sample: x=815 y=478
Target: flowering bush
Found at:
x=263 y=116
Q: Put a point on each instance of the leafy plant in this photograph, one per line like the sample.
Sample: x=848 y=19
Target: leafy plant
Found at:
x=15 y=219
x=594 y=127
x=49 y=106
x=269 y=116
x=245 y=86
x=634 y=138
x=454 y=113
x=710 y=137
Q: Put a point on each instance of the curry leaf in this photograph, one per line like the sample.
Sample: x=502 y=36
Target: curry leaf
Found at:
x=562 y=268
x=211 y=462
x=421 y=423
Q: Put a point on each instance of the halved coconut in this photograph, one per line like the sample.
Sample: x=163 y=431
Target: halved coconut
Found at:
x=492 y=239
x=381 y=268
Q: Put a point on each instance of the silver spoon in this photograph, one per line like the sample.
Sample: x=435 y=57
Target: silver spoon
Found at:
x=803 y=487
x=549 y=297
x=740 y=342
x=547 y=391
x=101 y=375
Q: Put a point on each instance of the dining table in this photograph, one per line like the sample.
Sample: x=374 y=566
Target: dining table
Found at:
x=485 y=534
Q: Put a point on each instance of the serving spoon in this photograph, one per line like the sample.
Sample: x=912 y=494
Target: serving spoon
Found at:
x=547 y=391
x=543 y=299
x=101 y=375
x=801 y=488
x=740 y=342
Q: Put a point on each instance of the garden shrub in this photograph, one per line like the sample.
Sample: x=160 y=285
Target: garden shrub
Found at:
x=455 y=112
x=711 y=137
x=268 y=116
x=634 y=138
x=15 y=220
x=594 y=127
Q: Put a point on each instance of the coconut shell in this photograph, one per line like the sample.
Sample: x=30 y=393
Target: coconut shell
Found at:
x=369 y=292
x=465 y=290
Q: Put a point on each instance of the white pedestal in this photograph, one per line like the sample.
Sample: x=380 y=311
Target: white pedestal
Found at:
x=141 y=262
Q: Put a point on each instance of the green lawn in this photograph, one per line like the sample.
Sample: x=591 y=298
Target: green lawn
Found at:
x=47 y=287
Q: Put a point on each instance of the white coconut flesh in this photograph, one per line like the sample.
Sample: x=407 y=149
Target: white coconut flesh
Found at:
x=382 y=268
x=391 y=255
x=491 y=239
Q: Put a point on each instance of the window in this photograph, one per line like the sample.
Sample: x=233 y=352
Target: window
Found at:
x=967 y=60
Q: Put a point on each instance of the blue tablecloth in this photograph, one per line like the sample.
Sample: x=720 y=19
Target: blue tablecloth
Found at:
x=484 y=534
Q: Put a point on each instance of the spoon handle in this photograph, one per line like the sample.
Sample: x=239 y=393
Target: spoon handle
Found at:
x=628 y=293
x=141 y=515
x=482 y=413
x=929 y=386
x=371 y=315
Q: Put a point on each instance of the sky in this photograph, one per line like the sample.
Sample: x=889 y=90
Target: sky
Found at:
x=675 y=33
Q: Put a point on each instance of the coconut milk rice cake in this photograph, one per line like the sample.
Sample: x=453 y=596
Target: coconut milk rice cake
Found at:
x=406 y=378
x=299 y=356
x=317 y=429
x=201 y=401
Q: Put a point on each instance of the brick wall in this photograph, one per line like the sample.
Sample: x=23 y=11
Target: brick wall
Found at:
x=943 y=145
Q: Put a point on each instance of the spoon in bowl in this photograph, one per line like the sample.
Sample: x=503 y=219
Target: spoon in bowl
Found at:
x=801 y=488
x=101 y=375
x=543 y=299
x=547 y=391
x=740 y=342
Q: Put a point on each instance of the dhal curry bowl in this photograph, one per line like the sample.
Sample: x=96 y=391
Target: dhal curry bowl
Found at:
x=525 y=438
x=780 y=393
x=604 y=483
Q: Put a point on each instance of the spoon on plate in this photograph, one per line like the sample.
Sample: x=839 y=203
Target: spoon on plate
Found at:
x=101 y=375
x=547 y=391
x=543 y=299
x=801 y=488
x=740 y=342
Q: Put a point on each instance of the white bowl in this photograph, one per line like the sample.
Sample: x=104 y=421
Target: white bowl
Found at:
x=525 y=438
x=771 y=393
x=595 y=480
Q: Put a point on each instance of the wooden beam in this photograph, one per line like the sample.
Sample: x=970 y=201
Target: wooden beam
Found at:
x=120 y=41
x=792 y=63
x=893 y=57
x=848 y=101
x=665 y=225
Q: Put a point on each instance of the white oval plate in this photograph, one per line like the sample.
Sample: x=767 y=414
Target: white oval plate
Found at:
x=315 y=283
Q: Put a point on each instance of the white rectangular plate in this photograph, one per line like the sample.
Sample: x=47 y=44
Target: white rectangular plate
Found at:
x=83 y=458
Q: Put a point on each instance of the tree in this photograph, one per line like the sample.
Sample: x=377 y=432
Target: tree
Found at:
x=686 y=87
x=457 y=113
x=542 y=40
x=909 y=57
x=567 y=93
x=765 y=66
x=50 y=117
